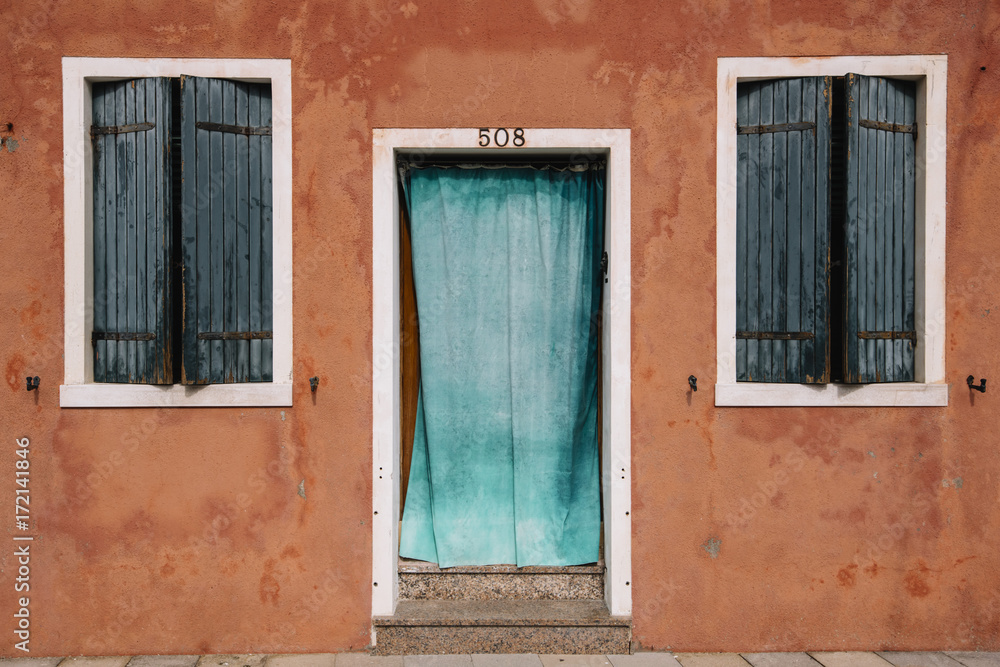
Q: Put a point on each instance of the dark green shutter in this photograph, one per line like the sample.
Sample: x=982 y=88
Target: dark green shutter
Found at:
x=226 y=231
x=783 y=204
x=132 y=231
x=880 y=230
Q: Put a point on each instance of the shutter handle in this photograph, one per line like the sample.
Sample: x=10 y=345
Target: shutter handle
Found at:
x=693 y=382
x=981 y=387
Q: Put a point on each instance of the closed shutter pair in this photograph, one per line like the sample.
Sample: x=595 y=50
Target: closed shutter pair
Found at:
x=182 y=247
x=808 y=190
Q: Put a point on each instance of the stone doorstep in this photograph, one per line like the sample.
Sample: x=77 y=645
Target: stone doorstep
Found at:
x=541 y=640
x=500 y=586
x=501 y=626
x=419 y=580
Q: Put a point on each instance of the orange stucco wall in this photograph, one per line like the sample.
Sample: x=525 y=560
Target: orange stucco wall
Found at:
x=182 y=530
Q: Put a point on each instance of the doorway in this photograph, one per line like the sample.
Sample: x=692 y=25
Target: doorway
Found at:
x=610 y=145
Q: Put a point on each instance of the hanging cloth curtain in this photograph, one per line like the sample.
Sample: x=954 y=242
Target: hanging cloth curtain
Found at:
x=506 y=268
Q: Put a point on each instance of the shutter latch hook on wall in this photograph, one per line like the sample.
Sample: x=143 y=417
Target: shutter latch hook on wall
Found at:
x=32 y=382
x=981 y=387
x=693 y=382
x=313 y=383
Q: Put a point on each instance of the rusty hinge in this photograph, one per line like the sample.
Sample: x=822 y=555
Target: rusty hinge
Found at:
x=118 y=336
x=247 y=130
x=96 y=130
x=775 y=335
x=888 y=335
x=769 y=129
x=888 y=127
x=233 y=335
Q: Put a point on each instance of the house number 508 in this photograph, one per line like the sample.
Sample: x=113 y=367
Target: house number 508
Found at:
x=501 y=136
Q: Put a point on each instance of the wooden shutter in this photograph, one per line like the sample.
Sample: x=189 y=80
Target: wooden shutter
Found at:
x=132 y=231
x=880 y=231
x=782 y=247
x=226 y=231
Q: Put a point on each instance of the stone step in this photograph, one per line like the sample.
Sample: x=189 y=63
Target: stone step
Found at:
x=426 y=581
x=501 y=626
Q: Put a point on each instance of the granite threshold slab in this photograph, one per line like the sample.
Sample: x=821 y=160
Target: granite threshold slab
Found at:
x=502 y=613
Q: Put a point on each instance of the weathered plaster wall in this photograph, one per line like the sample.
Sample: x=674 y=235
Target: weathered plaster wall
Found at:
x=182 y=530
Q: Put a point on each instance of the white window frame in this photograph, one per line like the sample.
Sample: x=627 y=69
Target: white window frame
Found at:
x=930 y=388
x=616 y=344
x=79 y=389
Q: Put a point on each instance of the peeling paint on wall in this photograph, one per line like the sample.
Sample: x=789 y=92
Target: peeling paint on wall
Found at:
x=712 y=547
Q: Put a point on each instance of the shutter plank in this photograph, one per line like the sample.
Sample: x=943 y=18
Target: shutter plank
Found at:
x=216 y=284
x=779 y=204
x=254 y=297
x=192 y=215
x=898 y=167
x=229 y=231
x=266 y=228
x=742 y=160
x=162 y=228
x=810 y=251
x=766 y=230
x=241 y=277
x=753 y=236
x=908 y=241
x=142 y=223
x=111 y=234
x=793 y=242
x=131 y=234
x=852 y=358
x=100 y=98
x=871 y=222
x=121 y=234
x=860 y=304
x=882 y=269
x=819 y=372
x=207 y=237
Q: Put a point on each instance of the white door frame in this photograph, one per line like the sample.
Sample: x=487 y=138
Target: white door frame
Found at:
x=616 y=343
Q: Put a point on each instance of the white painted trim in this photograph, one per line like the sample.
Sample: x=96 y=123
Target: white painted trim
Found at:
x=896 y=394
x=79 y=389
x=931 y=74
x=102 y=395
x=617 y=430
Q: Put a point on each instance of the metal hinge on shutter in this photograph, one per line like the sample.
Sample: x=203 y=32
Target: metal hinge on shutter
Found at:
x=246 y=130
x=775 y=335
x=888 y=127
x=779 y=127
x=889 y=335
x=234 y=335
x=97 y=130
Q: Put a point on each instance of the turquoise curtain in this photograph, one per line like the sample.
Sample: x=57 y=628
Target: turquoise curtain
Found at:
x=506 y=268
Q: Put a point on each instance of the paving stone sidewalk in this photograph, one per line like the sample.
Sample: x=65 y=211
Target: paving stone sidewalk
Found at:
x=820 y=659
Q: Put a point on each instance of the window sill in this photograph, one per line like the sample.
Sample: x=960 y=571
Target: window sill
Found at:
x=896 y=394
x=257 y=394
